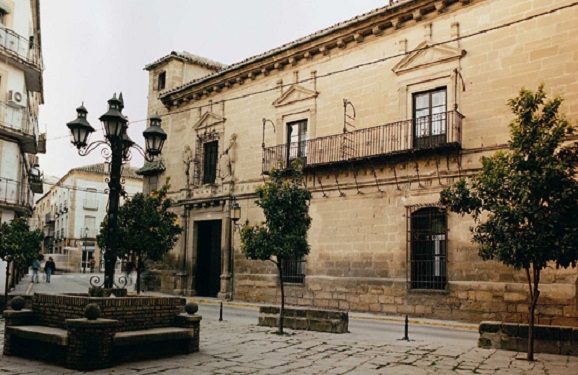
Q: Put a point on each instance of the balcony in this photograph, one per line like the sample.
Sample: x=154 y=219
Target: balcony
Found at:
x=17 y=123
x=442 y=131
x=15 y=195
x=24 y=54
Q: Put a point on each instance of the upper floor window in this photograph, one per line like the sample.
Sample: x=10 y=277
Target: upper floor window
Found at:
x=429 y=117
x=296 y=140
x=2 y=17
x=427 y=246
x=210 y=157
x=161 y=81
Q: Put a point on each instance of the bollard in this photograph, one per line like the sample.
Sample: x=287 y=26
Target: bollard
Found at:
x=406 y=337
x=221 y=312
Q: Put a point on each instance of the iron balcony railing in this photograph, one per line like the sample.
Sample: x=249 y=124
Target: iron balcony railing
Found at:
x=14 y=193
x=441 y=130
x=24 y=48
x=18 y=119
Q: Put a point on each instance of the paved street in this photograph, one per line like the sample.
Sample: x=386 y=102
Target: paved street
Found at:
x=238 y=346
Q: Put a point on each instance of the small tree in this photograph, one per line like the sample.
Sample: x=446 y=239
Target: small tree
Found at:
x=283 y=235
x=19 y=246
x=146 y=228
x=528 y=195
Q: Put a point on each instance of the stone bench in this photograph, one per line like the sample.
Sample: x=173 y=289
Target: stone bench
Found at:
x=132 y=328
x=305 y=319
x=514 y=336
x=51 y=335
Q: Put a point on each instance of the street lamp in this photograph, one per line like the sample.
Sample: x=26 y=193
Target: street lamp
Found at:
x=115 y=126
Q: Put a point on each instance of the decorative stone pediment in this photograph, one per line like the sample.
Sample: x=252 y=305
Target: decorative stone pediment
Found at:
x=208 y=120
x=295 y=94
x=424 y=56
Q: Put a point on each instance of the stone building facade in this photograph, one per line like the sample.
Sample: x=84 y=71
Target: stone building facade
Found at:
x=386 y=109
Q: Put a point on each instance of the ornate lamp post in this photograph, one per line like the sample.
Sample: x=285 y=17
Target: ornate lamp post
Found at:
x=118 y=151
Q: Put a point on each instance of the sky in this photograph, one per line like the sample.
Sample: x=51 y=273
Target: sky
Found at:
x=95 y=48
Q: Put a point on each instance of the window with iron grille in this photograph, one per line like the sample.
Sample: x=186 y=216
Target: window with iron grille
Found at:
x=296 y=140
x=429 y=118
x=293 y=271
x=210 y=157
x=426 y=247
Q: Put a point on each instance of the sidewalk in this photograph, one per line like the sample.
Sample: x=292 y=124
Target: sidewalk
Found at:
x=229 y=348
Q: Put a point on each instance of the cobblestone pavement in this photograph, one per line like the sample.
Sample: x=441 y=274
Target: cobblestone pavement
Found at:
x=230 y=348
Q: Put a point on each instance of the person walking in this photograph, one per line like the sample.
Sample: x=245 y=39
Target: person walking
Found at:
x=49 y=268
x=128 y=270
x=35 y=268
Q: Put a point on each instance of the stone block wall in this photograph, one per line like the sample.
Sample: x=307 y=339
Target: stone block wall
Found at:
x=547 y=339
x=305 y=319
x=132 y=313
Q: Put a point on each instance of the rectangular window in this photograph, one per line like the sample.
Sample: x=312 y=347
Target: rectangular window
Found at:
x=427 y=247
x=210 y=156
x=430 y=118
x=161 y=81
x=296 y=141
x=294 y=271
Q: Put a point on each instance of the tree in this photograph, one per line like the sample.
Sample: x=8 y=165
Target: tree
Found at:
x=19 y=246
x=146 y=228
x=283 y=235
x=525 y=201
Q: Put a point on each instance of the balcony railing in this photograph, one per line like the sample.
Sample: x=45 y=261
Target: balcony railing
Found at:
x=14 y=193
x=439 y=131
x=24 y=48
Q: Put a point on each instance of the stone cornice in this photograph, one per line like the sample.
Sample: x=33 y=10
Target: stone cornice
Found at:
x=382 y=21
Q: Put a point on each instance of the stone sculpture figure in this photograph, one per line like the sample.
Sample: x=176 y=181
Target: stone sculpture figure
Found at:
x=227 y=160
x=187 y=160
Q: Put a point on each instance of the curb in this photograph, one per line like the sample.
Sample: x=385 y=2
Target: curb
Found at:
x=361 y=316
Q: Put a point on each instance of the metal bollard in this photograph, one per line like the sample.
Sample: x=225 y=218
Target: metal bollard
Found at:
x=221 y=312
x=406 y=336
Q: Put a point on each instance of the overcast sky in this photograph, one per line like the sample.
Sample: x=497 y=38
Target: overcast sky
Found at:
x=94 y=48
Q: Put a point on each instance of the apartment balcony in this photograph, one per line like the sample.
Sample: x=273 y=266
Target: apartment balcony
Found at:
x=15 y=195
x=428 y=134
x=17 y=123
x=23 y=53
x=49 y=218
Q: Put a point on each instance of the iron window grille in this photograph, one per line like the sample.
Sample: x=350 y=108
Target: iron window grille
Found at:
x=426 y=249
x=206 y=158
x=430 y=118
x=293 y=271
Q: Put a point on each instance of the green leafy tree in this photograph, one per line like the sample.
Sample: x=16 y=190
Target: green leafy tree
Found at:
x=146 y=228
x=283 y=235
x=19 y=246
x=525 y=201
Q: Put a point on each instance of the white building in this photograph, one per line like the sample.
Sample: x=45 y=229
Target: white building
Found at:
x=70 y=213
x=21 y=93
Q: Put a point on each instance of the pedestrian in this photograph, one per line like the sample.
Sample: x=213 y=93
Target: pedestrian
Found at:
x=35 y=268
x=91 y=264
x=49 y=268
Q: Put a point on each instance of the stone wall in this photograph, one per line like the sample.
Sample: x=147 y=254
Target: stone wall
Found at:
x=132 y=313
x=547 y=339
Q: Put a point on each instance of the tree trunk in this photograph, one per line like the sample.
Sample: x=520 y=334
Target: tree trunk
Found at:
x=534 y=294
x=6 y=285
x=282 y=310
